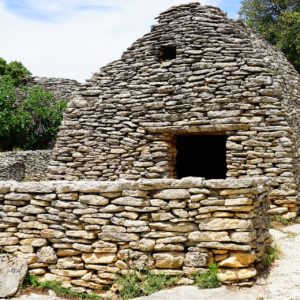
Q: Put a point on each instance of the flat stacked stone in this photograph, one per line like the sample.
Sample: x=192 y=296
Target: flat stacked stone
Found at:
x=62 y=88
x=24 y=165
x=121 y=123
x=85 y=233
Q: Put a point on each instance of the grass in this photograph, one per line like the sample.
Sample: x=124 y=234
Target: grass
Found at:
x=59 y=290
x=209 y=279
x=272 y=253
x=137 y=283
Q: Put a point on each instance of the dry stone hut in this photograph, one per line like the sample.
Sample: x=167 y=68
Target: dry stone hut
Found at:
x=199 y=95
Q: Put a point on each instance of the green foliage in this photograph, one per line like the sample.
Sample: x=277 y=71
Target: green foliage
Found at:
x=278 y=21
x=14 y=70
x=2 y=66
x=280 y=219
x=209 y=279
x=136 y=283
x=288 y=37
x=272 y=253
x=29 y=118
x=59 y=290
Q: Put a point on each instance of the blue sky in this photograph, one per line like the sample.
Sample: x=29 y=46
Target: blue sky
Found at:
x=73 y=38
x=231 y=7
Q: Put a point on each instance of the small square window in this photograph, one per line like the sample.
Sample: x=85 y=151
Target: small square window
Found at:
x=167 y=53
x=201 y=156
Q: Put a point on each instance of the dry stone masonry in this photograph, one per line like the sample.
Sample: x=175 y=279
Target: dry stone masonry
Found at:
x=13 y=271
x=24 y=165
x=199 y=97
x=86 y=233
x=196 y=73
x=62 y=88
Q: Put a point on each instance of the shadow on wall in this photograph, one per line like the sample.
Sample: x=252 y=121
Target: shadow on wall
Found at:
x=14 y=170
x=24 y=165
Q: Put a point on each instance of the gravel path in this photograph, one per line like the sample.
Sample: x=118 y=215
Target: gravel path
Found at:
x=283 y=282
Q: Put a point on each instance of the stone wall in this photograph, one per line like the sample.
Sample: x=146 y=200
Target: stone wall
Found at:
x=24 y=165
x=124 y=121
x=62 y=88
x=86 y=233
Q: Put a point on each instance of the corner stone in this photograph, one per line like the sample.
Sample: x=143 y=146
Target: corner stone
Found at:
x=13 y=271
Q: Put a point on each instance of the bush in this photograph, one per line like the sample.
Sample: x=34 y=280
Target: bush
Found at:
x=136 y=283
x=272 y=253
x=15 y=70
x=29 y=118
x=59 y=290
x=209 y=279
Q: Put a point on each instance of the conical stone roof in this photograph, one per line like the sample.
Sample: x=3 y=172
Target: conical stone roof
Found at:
x=224 y=80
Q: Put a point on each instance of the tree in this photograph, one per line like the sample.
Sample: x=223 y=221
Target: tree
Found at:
x=15 y=70
x=2 y=66
x=278 y=21
x=29 y=117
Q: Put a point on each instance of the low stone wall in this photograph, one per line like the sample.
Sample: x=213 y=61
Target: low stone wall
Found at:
x=62 y=88
x=85 y=233
x=24 y=165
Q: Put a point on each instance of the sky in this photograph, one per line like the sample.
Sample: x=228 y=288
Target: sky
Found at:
x=74 y=38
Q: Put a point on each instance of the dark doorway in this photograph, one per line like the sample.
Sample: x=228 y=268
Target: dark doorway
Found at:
x=201 y=156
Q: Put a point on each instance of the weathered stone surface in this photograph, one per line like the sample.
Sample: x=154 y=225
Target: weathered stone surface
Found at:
x=70 y=263
x=52 y=233
x=118 y=236
x=81 y=234
x=226 y=275
x=196 y=259
x=82 y=247
x=224 y=223
x=176 y=227
x=143 y=245
x=17 y=197
x=99 y=258
x=93 y=200
x=162 y=216
x=226 y=246
x=169 y=260
x=32 y=209
x=172 y=194
x=238 y=201
x=243 y=237
x=35 y=242
x=238 y=260
x=209 y=236
x=13 y=271
x=67 y=252
x=32 y=225
x=46 y=255
x=69 y=273
x=8 y=241
x=130 y=201
x=168 y=247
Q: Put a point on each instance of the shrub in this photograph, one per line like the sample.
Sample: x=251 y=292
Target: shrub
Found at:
x=208 y=279
x=29 y=118
x=278 y=218
x=136 y=283
x=272 y=253
x=14 y=70
x=59 y=290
